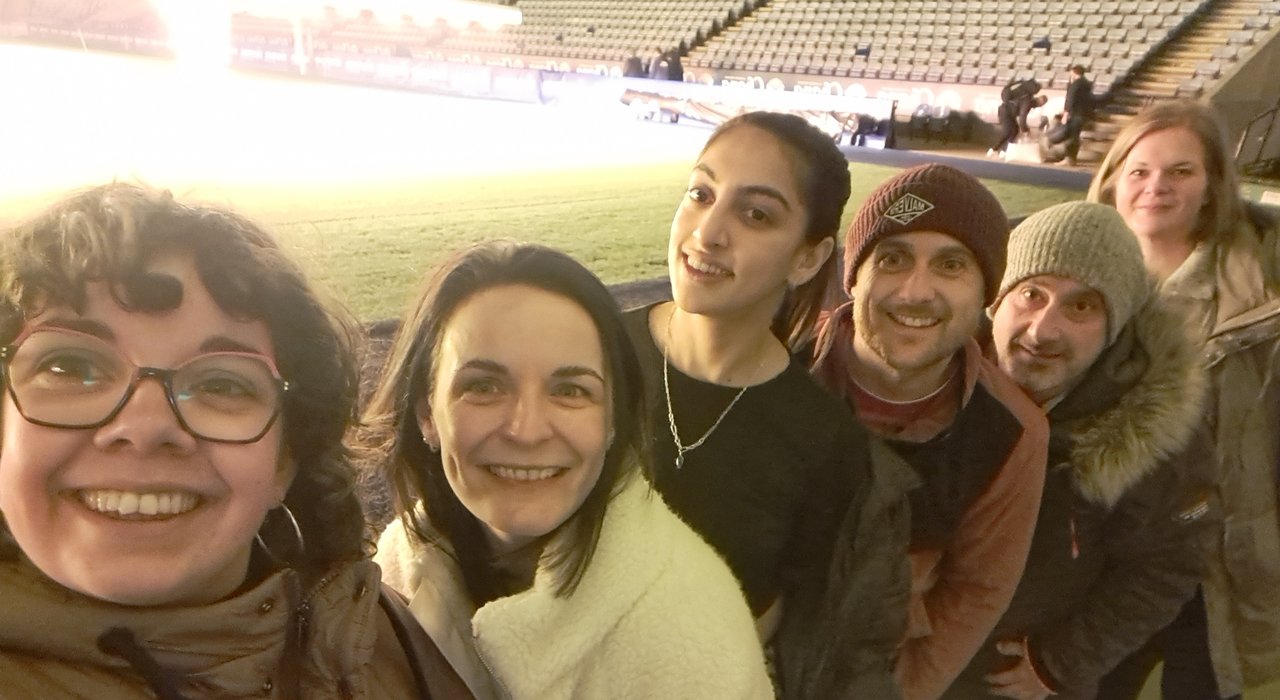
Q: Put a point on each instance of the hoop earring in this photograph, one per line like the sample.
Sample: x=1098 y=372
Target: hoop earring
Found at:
x=297 y=532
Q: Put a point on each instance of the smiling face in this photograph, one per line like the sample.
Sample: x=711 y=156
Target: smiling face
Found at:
x=738 y=237
x=139 y=511
x=1162 y=185
x=917 y=300
x=1048 y=331
x=519 y=410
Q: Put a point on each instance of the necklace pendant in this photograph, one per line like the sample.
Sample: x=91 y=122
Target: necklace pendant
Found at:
x=679 y=460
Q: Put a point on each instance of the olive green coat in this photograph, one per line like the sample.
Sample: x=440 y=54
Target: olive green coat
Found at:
x=1231 y=287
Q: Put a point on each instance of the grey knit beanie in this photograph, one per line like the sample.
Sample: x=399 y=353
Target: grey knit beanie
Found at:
x=1088 y=243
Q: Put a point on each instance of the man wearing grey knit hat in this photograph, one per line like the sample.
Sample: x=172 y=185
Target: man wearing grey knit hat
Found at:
x=923 y=258
x=1118 y=544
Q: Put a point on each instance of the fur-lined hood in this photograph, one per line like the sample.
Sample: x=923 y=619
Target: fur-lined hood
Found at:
x=1140 y=404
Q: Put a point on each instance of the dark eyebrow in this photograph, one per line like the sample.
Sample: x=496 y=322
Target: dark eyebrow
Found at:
x=763 y=190
x=577 y=371
x=82 y=325
x=486 y=365
x=957 y=249
x=706 y=169
x=499 y=368
x=1179 y=164
x=1084 y=293
x=221 y=343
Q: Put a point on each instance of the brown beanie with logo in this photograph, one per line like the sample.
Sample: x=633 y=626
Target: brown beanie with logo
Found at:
x=935 y=198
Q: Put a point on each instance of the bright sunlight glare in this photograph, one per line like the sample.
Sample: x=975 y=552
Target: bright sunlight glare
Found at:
x=199 y=33
x=105 y=116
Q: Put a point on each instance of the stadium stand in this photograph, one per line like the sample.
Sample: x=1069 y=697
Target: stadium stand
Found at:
x=127 y=25
x=603 y=29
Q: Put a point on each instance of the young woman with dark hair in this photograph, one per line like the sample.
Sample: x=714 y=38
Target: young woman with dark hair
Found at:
x=748 y=449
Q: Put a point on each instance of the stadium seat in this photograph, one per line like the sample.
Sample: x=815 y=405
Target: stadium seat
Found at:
x=1243 y=37
x=1226 y=53
x=1192 y=87
x=1208 y=69
x=940 y=122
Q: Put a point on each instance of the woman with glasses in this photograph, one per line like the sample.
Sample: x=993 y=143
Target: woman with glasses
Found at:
x=530 y=544
x=178 y=515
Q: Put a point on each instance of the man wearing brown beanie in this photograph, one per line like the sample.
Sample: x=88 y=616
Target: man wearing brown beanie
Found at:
x=923 y=257
x=1118 y=543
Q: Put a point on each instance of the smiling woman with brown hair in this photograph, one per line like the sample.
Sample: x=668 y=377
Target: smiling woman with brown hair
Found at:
x=510 y=414
x=1171 y=177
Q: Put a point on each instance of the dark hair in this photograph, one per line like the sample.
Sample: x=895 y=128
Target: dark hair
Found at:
x=1222 y=205
x=1078 y=69
x=409 y=374
x=823 y=174
x=109 y=234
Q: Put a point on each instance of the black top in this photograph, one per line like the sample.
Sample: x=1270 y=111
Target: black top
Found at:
x=768 y=488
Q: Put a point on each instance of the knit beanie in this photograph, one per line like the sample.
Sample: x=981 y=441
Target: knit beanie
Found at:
x=937 y=198
x=1088 y=243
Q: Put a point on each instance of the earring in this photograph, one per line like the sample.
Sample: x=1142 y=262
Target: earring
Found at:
x=430 y=445
x=297 y=532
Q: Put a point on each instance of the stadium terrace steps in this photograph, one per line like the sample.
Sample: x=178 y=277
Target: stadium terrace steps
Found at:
x=1195 y=56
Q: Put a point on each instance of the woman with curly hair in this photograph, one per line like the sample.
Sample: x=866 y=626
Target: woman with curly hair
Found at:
x=178 y=511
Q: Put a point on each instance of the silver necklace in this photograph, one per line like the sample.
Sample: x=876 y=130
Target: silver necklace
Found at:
x=681 y=448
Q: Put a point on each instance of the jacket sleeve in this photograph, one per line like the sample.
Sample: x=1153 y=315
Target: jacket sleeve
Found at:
x=840 y=637
x=1155 y=560
x=979 y=570
x=1024 y=111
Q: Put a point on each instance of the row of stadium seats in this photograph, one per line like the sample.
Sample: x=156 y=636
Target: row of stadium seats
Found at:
x=983 y=42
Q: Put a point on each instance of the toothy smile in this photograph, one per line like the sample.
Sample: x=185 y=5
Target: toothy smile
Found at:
x=704 y=267
x=915 y=321
x=120 y=503
x=523 y=473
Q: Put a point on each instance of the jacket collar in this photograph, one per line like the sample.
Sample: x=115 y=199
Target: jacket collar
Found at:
x=633 y=551
x=225 y=647
x=1139 y=405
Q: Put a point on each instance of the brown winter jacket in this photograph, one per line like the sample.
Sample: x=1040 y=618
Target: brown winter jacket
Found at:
x=52 y=642
x=967 y=550
x=1231 y=288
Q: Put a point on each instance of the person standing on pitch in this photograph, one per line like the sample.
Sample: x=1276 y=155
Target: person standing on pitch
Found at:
x=1118 y=545
x=923 y=257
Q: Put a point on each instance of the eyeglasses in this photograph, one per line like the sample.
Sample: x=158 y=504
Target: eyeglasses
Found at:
x=66 y=379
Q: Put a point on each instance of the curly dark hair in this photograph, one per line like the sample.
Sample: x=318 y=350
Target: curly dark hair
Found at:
x=418 y=473
x=109 y=233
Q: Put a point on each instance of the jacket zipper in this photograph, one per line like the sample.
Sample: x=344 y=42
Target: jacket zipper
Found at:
x=475 y=643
